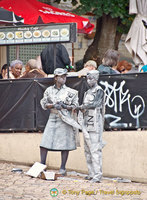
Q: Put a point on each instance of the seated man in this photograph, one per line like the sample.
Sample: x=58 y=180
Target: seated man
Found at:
x=31 y=70
x=88 y=66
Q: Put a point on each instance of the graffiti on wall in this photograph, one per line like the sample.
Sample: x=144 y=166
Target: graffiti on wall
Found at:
x=116 y=96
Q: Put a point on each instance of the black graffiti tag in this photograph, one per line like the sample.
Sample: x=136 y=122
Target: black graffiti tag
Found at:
x=116 y=96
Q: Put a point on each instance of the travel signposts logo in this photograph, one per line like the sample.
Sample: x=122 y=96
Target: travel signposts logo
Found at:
x=54 y=192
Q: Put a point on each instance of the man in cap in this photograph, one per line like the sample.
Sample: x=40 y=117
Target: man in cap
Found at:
x=88 y=66
x=59 y=132
x=92 y=126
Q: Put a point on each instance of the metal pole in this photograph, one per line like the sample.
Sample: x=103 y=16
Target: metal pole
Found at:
x=7 y=49
x=72 y=54
x=54 y=56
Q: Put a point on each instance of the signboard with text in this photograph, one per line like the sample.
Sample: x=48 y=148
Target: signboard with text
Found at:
x=31 y=34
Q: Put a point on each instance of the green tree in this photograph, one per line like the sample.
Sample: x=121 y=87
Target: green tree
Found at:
x=113 y=20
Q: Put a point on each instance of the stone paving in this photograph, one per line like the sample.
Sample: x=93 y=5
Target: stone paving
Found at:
x=18 y=186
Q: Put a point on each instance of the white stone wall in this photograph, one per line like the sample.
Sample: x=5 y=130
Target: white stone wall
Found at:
x=123 y=156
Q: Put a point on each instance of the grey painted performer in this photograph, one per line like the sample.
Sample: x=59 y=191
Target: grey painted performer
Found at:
x=92 y=119
x=61 y=129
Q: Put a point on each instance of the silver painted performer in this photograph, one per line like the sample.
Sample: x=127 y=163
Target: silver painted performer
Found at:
x=91 y=118
x=60 y=131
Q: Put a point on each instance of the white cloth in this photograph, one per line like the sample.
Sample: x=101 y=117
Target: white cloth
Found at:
x=136 y=40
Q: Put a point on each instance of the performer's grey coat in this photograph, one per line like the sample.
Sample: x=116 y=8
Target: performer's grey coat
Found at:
x=59 y=135
x=92 y=127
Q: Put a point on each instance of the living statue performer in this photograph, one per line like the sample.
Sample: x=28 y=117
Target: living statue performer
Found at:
x=61 y=129
x=91 y=119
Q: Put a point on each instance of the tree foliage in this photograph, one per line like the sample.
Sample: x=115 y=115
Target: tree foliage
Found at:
x=115 y=8
x=112 y=20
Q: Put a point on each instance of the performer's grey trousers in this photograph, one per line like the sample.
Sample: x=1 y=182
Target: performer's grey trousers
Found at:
x=93 y=156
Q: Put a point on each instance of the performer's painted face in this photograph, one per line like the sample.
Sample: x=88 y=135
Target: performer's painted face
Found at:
x=61 y=79
x=91 y=81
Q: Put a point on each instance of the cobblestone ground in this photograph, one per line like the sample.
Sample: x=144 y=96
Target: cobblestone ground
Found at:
x=18 y=186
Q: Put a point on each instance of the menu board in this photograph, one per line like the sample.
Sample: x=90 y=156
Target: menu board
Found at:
x=37 y=34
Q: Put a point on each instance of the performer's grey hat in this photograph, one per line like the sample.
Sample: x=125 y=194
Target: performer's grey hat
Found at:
x=60 y=71
x=94 y=74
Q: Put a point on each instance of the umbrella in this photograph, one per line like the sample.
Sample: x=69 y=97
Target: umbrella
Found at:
x=136 y=38
x=144 y=23
x=33 y=10
x=9 y=17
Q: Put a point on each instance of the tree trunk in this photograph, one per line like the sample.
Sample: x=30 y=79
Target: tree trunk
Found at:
x=117 y=39
x=104 y=39
x=91 y=53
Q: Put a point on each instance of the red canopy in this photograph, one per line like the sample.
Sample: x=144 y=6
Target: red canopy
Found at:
x=32 y=10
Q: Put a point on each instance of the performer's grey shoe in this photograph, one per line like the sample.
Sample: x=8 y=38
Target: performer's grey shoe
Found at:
x=88 y=177
x=62 y=172
x=94 y=180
